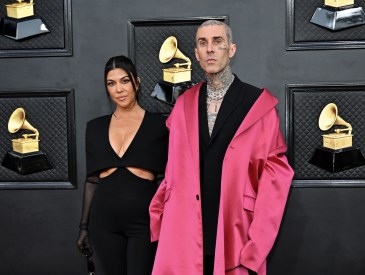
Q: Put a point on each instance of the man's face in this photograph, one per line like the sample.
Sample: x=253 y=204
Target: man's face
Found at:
x=212 y=50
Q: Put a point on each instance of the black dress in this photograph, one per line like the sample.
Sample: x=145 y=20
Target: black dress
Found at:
x=119 y=219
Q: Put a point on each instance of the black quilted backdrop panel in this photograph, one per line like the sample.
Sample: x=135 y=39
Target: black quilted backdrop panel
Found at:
x=50 y=114
x=306 y=31
x=146 y=38
x=304 y=107
x=54 y=15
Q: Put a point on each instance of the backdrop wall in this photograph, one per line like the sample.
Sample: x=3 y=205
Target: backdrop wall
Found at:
x=322 y=230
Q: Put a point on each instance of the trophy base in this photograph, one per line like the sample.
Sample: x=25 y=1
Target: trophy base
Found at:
x=168 y=92
x=18 y=29
x=26 y=163
x=338 y=18
x=337 y=160
x=176 y=75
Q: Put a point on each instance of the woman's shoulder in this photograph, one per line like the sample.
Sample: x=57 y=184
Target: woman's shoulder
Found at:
x=156 y=117
x=155 y=124
x=98 y=120
x=96 y=124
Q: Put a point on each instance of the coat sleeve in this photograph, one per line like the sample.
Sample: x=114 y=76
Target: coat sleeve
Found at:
x=156 y=210
x=271 y=195
x=156 y=207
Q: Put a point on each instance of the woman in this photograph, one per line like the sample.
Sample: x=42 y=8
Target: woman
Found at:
x=124 y=152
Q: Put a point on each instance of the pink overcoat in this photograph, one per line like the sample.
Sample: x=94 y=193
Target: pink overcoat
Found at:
x=256 y=179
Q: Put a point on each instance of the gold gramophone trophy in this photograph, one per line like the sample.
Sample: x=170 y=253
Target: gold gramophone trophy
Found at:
x=337 y=153
x=25 y=157
x=20 y=22
x=177 y=79
x=338 y=14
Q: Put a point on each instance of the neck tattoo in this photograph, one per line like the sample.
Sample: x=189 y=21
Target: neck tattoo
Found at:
x=218 y=85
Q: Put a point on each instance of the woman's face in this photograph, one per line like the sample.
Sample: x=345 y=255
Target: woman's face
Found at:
x=120 y=88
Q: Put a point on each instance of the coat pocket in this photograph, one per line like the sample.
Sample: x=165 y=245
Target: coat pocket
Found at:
x=249 y=203
x=248 y=209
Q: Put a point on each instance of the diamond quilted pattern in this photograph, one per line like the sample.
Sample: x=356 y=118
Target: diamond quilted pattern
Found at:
x=308 y=32
x=47 y=114
x=52 y=14
x=305 y=109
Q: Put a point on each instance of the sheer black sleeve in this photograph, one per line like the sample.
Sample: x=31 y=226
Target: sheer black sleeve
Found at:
x=89 y=189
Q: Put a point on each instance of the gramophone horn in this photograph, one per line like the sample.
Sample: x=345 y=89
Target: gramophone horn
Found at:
x=17 y=121
x=169 y=51
x=329 y=117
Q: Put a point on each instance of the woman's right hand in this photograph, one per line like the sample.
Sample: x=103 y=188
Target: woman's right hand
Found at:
x=84 y=244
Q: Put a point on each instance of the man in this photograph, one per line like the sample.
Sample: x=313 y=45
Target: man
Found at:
x=219 y=208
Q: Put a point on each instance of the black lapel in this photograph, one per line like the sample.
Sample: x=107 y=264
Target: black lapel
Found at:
x=203 y=118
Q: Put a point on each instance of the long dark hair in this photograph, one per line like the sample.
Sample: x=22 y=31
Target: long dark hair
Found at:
x=122 y=62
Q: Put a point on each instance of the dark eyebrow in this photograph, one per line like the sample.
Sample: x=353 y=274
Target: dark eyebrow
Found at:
x=126 y=76
x=214 y=38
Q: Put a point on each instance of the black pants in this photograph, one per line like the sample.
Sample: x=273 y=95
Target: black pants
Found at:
x=209 y=266
x=119 y=225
